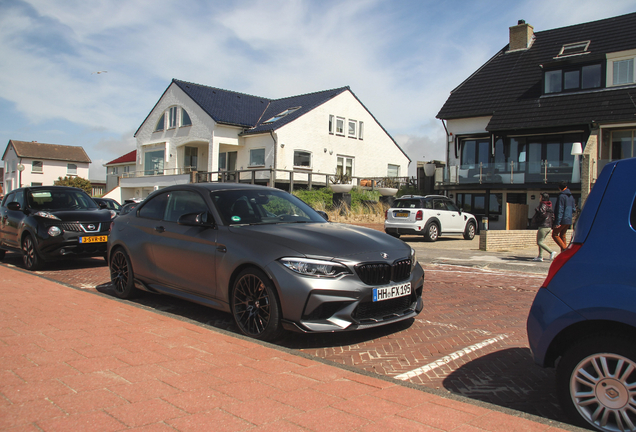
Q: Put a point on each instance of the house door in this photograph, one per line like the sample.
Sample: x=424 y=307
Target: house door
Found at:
x=190 y=160
x=227 y=162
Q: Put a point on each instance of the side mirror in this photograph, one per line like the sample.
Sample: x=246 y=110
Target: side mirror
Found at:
x=196 y=219
x=324 y=215
x=102 y=205
x=15 y=206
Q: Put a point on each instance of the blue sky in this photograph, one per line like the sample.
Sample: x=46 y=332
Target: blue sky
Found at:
x=401 y=58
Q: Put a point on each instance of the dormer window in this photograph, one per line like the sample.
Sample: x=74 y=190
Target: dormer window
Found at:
x=574 y=49
x=573 y=78
x=281 y=115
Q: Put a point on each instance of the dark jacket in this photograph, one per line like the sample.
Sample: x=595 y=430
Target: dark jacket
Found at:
x=544 y=215
x=564 y=208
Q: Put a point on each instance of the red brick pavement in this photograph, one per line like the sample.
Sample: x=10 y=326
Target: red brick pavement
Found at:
x=74 y=360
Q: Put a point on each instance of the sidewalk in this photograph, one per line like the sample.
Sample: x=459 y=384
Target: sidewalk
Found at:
x=73 y=360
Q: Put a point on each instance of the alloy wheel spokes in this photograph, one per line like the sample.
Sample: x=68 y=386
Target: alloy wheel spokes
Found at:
x=119 y=272
x=603 y=389
x=251 y=305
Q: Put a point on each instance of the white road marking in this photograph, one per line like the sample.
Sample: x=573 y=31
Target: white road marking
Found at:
x=452 y=326
x=449 y=358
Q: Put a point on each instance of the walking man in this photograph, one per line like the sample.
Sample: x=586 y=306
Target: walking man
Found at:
x=565 y=206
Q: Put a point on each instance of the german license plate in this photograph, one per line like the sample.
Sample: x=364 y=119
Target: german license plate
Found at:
x=401 y=214
x=387 y=293
x=94 y=239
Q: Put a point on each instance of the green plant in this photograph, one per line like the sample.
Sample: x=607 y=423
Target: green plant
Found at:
x=407 y=190
x=77 y=182
x=340 y=179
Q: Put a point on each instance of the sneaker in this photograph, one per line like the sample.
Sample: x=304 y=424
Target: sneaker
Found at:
x=538 y=259
x=553 y=256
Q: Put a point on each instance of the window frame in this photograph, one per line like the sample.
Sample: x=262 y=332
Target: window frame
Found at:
x=557 y=77
x=352 y=132
x=69 y=170
x=161 y=123
x=310 y=158
x=251 y=161
x=340 y=124
x=33 y=167
x=173 y=113
x=185 y=115
x=332 y=125
x=361 y=130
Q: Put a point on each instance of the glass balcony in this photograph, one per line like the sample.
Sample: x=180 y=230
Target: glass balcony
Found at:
x=513 y=173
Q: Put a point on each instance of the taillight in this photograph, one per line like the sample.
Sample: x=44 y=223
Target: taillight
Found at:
x=386 y=214
x=419 y=215
x=560 y=261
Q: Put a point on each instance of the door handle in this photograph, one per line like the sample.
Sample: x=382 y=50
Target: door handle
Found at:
x=221 y=249
x=160 y=229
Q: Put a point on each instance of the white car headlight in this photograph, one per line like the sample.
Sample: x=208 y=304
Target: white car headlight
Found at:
x=46 y=215
x=413 y=259
x=54 y=231
x=312 y=267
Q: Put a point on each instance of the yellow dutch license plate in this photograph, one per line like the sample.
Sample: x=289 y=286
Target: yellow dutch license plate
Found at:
x=94 y=239
x=402 y=214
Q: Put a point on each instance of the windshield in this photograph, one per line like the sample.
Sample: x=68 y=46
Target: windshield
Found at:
x=59 y=199
x=241 y=207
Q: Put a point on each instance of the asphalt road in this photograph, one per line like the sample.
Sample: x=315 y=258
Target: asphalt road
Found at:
x=470 y=339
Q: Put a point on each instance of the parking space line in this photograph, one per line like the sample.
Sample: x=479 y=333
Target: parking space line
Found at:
x=449 y=358
x=454 y=327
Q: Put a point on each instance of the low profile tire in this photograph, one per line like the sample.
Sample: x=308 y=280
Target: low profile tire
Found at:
x=469 y=232
x=255 y=306
x=30 y=257
x=596 y=383
x=122 y=276
x=431 y=232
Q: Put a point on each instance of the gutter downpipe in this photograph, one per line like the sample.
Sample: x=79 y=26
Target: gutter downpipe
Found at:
x=273 y=171
x=447 y=168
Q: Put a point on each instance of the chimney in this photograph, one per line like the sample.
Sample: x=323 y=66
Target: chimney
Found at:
x=521 y=36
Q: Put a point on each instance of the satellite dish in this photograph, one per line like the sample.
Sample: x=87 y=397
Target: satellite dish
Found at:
x=20 y=167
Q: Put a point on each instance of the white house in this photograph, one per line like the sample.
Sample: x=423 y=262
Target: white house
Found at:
x=201 y=133
x=119 y=167
x=39 y=164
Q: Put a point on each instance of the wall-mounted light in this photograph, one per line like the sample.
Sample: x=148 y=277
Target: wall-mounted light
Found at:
x=533 y=197
x=282 y=145
x=577 y=150
x=325 y=149
x=330 y=152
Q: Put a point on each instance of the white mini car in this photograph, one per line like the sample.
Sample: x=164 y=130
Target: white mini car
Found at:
x=430 y=215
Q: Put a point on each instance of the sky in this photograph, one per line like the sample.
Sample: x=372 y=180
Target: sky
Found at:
x=88 y=72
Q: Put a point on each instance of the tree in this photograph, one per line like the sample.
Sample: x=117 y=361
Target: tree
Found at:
x=77 y=182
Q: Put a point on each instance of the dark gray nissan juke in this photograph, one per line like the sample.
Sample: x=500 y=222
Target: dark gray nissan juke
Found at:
x=266 y=257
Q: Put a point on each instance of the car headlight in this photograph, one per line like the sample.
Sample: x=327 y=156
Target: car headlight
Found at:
x=312 y=267
x=46 y=215
x=54 y=231
x=413 y=259
x=113 y=214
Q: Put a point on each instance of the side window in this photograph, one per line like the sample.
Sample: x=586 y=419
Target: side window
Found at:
x=184 y=202
x=451 y=206
x=9 y=198
x=19 y=197
x=428 y=204
x=439 y=205
x=155 y=208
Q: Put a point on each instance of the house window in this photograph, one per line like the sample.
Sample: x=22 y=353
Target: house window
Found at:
x=623 y=72
x=36 y=166
x=126 y=168
x=191 y=157
x=185 y=118
x=222 y=161
x=344 y=166
x=71 y=169
x=153 y=162
x=353 y=125
x=574 y=48
x=340 y=122
x=572 y=79
x=622 y=144
x=476 y=203
x=281 y=115
x=474 y=152
x=331 y=124
x=172 y=117
x=361 y=130
x=36 y=184
x=161 y=123
x=257 y=157
x=393 y=171
x=302 y=159
x=114 y=170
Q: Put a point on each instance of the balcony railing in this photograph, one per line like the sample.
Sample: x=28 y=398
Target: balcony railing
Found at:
x=512 y=173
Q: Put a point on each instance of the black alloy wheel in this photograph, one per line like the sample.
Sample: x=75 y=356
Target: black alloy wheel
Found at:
x=255 y=306
x=121 y=275
x=30 y=257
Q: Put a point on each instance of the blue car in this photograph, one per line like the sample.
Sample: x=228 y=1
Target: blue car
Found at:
x=583 y=319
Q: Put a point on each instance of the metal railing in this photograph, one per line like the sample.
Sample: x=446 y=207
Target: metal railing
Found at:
x=511 y=173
